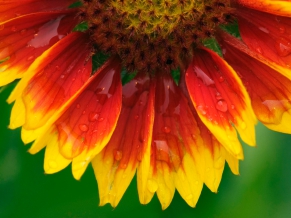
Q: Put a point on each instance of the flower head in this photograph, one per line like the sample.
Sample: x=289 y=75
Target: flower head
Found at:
x=131 y=86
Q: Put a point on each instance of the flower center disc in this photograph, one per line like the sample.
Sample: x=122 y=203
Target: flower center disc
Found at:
x=153 y=35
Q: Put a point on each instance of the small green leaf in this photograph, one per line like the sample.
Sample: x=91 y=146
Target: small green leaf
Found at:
x=81 y=27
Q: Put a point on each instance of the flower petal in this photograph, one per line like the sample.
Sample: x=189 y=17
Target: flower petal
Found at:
x=52 y=80
x=270 y=92
x=267 y=35
x=14 y=8
x=89 y=119
x=221 y=100
x=53 y=160
x=271 y=6
x=86 y=127
x=116 y=165
x=24 y=39
x=176 y=159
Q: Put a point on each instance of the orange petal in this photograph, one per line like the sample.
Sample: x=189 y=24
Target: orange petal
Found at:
x=212 y=152
x=10 y=9
x=271 y=6
x=116 y=165
x=267 y=35
x=24 y=39
x=270 y=91
x=176 y=159
x=87 y=125
x=221 y=100
x=52 y=80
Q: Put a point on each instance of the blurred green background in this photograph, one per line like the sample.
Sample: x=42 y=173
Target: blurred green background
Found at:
x=262 y=190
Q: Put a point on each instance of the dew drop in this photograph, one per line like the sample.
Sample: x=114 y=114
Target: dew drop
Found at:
x=219 y=162
x=166 y=129
x=139 y=156
x=117 y=155
x=243 y=125
x=13 y=29
x=152 y=185
x=220 y=79
x=201 y=109
x=30 y=58
x=282 y=29
x=62 y=76
x=259 y=49
x=100 y=119
x=218 y=96
x=136 y=117
x=83 y=127
x=93 y=116
x=57 y=67
x=283 y=47
x=22 y=32
x=123 y=166
x=83 y=112
x=52 y=164
x=232 y=107
x=189 y=197
x=78 y=106
x=221 y=105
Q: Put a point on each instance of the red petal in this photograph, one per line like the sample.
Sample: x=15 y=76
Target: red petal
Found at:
x=25 y=38
x=89 y=122
x=14 y=8
x=270 y=91
x=116 y=165
x=220 y=100
x=56 y=76
x=268 y=35
x=176 y=146
x=274 y=7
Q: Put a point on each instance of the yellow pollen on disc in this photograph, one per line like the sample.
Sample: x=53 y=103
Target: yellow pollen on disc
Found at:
x=150 y=16
x=153 y=35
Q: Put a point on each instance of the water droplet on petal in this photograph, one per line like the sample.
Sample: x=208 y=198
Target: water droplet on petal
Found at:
x=100 y=119
x=283 y=47
x=78 y=106
x=13 y=29
x=220 y=79
x=123 y=166
x=189 y=197
x=62 y=76
x=259 y=49
x=30 y=58
x=52 y=164
x=83 y=127
x=201 y=109
x=232 y=107
x=136 y=117
x=152 y=185
x=117 y=155
x=93 y=116
x=83 y=112
x=243 y=125
x=22 y=32
x=221 y=105
x=57 y=67
x=219 y=162
x=282 y=29
x=218 y=96
x=166 y=129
